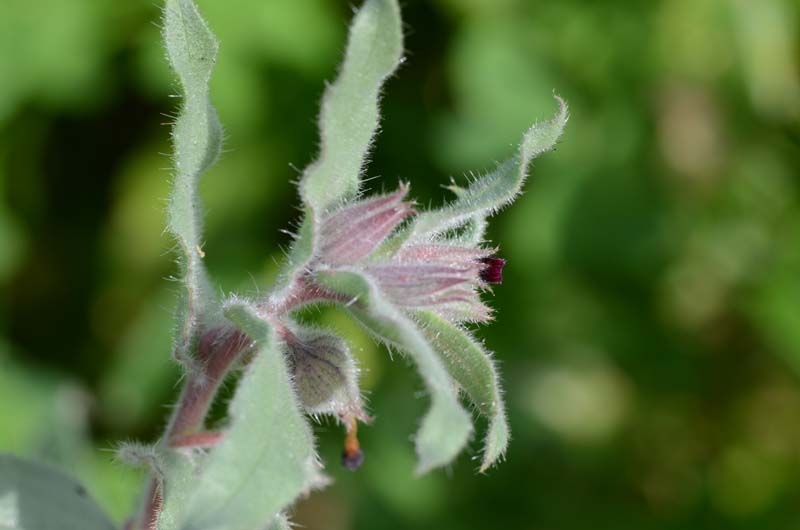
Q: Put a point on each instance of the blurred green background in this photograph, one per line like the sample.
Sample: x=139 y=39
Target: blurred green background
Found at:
x=649 y=326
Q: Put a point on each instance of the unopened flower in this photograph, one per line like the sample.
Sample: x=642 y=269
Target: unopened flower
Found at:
x=324 y=372
x=440 y=276
x=352 y=233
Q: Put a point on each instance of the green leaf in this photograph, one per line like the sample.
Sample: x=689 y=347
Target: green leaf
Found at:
x=475 y=372
x=197 y=137
x=472 y=233
x=37 y=497
x=177 y=474
x=300 y=253
x=267 y=458
x=446 y=427
x=349 y=115
x=491 y=192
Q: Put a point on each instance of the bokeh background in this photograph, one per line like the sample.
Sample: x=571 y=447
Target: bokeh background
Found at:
x=649 y=325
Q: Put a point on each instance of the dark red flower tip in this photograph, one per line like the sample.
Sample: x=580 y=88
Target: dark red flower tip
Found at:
x=493 y=271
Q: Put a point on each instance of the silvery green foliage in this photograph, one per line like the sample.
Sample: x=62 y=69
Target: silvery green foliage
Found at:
x=413 y=279
x=37 y=497
x=349 y=116
x=475 y=372
x=348 y=120
x=197 y=139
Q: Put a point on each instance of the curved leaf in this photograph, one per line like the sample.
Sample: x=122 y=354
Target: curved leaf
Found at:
x=349 y=116
x=196 y=137
x=446 y=427
x=475 y=372
x=491 y=192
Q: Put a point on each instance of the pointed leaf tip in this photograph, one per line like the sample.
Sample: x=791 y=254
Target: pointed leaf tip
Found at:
x=542 y=137
x=487 y=194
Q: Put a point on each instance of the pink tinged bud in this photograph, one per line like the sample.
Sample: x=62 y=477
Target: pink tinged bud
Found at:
x=443 y=253
x=355 y=231
x=324 y=373
x=493 y=270
x=441 y=278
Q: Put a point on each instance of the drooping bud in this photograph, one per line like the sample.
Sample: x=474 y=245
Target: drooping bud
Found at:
x=493 y=270
x=353 y=232
x=325 y=374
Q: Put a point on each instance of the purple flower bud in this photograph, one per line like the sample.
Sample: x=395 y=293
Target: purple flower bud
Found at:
x=493 y=270
x=353 y=232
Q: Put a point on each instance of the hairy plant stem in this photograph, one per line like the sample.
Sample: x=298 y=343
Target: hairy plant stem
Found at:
x=217 y=351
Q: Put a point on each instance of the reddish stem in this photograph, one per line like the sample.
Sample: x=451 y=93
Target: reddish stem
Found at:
x=197 y=440
x=217 y=354
x=217 y=351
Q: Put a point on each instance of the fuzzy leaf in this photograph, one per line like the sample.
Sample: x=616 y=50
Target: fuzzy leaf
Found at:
x=177 y=474
x=349 y=115
x=267 y=458
x=196 y=136
x=475 y=372
x=37 y=497
x=472 y=233
x=446 y=427
x=497 y=189
x=324 y=373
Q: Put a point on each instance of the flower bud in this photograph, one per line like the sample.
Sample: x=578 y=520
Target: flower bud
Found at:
x=355 y=231
x=440 y=277
x=324 y=372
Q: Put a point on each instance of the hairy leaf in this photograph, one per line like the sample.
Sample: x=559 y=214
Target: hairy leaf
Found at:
x=475 y=372
x=349 y=115
x=497 y=189
x=37 y=497
x=176 y=473
x=196 y=136
x=472 y=233
x=267 y=457
x=446 y=427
